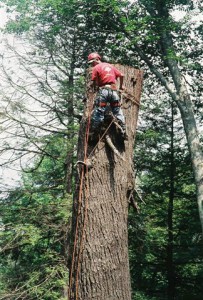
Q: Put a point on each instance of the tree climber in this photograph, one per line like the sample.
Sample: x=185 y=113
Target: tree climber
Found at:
x=104 y=76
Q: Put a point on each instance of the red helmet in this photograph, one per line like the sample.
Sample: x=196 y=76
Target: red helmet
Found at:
x=93 y=56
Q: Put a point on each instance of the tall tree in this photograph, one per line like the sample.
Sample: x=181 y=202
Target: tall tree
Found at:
x=163 y=29
x=48 y=87
x=99 y=265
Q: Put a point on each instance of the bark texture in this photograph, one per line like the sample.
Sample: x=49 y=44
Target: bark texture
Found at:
x=100 y=267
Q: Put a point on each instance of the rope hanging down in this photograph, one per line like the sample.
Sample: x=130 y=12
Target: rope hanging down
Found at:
x=80 y=205
x=78 y=213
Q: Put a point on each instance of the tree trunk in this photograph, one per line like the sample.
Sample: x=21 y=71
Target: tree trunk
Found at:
x=184 y=103
x=179 y=94
x=194 y=144
x=70 y=135
x=100 y=266
x=170 y=263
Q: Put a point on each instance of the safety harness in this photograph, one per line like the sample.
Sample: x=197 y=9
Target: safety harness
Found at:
x=111 y=87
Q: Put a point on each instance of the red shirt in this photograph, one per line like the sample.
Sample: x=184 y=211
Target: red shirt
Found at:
x=104 y=73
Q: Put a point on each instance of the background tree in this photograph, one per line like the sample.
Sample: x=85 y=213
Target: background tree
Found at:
x=165 y=242
x=34 y=225
x=163 y=28
x=52 y=85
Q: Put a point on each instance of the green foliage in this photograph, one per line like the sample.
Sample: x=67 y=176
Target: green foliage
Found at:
x=149 y=231
x=35 y=220
x=141 y=296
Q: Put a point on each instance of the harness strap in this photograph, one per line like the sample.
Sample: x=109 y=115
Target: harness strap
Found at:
x=111 y=86
x=115 y=104
x=102 y=104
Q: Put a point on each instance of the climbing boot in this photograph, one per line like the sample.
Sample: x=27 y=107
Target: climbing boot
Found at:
x=94 y=132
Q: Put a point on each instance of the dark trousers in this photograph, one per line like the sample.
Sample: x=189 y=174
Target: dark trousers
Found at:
x=104 y=96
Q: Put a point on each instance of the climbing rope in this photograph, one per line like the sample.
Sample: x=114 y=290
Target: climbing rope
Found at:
x=86 y=204
x=78 y=213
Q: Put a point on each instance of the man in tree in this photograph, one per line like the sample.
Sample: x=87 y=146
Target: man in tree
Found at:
x=104 y=76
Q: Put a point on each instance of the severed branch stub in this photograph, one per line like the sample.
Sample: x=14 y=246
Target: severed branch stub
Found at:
x=113 y=148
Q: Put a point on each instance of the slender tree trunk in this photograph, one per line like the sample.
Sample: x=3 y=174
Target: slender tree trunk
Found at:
x=180 y=95
x=170 y=264
x=100 y=267
x=70 y=135
x=194 y=144
x=184 y=103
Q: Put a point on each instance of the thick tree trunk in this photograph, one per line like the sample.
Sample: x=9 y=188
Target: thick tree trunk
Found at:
x=100 y=267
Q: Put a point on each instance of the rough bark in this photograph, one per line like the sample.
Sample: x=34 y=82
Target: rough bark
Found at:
x=100 y=267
